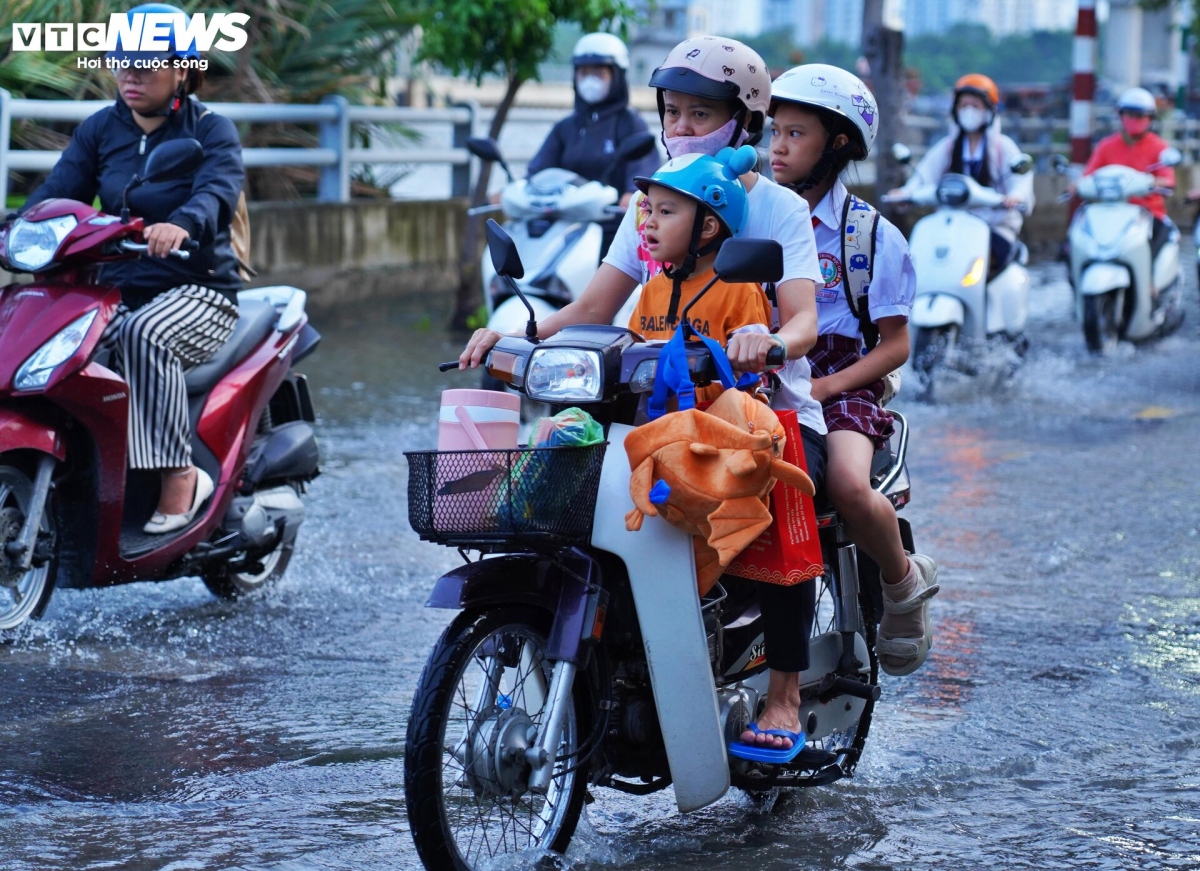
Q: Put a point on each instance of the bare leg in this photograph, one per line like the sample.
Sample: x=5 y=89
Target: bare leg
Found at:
x=178 y=490
x=869 y=517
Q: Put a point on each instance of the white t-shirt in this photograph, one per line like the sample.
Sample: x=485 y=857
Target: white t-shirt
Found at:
x=893 y=279
x=775 y=212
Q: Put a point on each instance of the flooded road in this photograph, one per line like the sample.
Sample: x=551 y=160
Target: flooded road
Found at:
x=1056 y=725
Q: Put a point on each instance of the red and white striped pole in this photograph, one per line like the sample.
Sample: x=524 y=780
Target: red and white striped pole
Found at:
x=1084 y=83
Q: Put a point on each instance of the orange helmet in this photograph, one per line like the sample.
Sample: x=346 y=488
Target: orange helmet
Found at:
x=979 y=85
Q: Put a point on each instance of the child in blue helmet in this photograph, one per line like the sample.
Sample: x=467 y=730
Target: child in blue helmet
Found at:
x=694 y=203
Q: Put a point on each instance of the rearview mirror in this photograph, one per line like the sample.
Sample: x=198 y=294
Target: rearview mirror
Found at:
x=1060 y=163
x=754 y=260
x=901 y=153
x=1170 y=156
x=485 y=148
x=173 y=159
x=1022 y=164
x=505 y=258
x=636 y=147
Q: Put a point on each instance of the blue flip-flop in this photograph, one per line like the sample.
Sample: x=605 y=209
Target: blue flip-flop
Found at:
x=769 y=755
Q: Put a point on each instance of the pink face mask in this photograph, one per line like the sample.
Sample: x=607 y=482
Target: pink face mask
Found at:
x=1135 y=126
x=709 y=144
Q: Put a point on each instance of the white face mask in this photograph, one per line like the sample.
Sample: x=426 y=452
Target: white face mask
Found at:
x=970 y=118
x=592 y=89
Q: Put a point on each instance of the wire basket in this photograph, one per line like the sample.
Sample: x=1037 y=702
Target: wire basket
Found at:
x=492 y=498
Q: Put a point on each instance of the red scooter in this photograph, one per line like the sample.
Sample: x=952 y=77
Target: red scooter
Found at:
x=71 y=513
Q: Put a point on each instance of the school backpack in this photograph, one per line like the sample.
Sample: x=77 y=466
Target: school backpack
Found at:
x=860 y=223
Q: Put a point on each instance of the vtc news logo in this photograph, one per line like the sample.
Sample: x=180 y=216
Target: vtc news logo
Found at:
x=150 y=32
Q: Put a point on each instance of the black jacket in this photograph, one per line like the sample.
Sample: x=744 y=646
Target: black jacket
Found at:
x=105 y=152
x=585 y=141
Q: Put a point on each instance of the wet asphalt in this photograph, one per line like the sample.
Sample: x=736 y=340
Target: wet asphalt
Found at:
x=1056 y=724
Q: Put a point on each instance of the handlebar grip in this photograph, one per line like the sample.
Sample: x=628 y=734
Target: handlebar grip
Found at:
x=775 y=357
x=446 y=367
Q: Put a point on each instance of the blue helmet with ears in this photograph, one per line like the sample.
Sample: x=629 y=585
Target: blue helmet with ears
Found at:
x=713 y=182
x=173 y=38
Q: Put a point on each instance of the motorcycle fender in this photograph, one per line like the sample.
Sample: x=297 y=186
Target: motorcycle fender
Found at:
x=662 y=575
x=20 y=430
x=511 y=316
x=1166 y=266
x=937 y=310
x=523 y=579
x=1102 y=277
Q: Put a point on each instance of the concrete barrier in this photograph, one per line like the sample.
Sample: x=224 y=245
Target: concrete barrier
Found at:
x=362 y=250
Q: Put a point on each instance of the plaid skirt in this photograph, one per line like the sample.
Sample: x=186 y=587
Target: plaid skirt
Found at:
x=854 y=410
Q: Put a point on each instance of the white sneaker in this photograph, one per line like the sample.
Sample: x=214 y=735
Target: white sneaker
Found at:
x=912 y=651
x=160 y=523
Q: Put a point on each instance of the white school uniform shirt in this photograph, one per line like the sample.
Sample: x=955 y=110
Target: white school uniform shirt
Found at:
x=1001 y=151
x=893 y=283
x=775 y=212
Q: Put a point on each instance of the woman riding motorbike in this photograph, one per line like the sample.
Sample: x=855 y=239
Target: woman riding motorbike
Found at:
x=979 y=150
x=174 y=313
x=585 y=141
x=1138 y=147
x=714 y=92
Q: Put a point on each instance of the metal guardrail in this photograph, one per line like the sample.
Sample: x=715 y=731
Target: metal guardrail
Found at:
x=334 y=154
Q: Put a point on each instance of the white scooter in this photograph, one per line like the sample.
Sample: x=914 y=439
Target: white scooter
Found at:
x=959 y=309
x=1119 y=293
x=554 y=217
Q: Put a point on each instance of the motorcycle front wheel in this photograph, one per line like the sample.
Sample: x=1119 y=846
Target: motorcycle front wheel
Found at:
x=930 y=347
x=24 y=594
x=1102 y=320
x=480 y=703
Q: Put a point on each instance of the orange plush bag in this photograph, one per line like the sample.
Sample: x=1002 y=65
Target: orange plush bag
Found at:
x=789 y=550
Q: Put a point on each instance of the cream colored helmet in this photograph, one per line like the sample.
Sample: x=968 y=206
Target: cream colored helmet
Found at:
x=721 y=69
x=834 y=90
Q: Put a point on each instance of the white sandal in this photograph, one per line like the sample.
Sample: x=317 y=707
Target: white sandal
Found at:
x=160 y=523
x=913 y=651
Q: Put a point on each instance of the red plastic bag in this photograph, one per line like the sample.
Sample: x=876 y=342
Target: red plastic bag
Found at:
x=789 y=551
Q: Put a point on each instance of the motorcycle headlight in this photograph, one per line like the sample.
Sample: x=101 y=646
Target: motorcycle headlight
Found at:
x=564 y=375
x=32 y=244
x=36 y=371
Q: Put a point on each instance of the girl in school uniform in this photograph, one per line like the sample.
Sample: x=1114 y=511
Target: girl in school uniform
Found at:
x=824 y=118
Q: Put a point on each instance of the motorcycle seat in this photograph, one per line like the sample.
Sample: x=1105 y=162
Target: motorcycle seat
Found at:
x=256 y=319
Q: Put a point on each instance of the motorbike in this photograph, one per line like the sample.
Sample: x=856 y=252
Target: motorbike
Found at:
x=961 y=308
x=71 y=514
x=554 y=217
x=1122 y=292
x=582 y=656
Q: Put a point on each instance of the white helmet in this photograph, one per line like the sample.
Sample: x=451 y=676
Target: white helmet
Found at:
x=602 y=49
x=834 y=90
x=1139 y=100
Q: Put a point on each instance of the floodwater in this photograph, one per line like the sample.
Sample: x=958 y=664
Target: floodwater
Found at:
x=1056 y=724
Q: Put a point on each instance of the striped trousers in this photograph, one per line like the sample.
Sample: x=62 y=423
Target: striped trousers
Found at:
x=152 y=347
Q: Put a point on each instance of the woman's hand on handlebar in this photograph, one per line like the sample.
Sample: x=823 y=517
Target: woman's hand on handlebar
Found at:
x=477 y=349
x=164 y=238
x=748 y=351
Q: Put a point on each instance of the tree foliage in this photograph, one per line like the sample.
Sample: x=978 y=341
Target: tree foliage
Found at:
x=940 y=58
x=475 y=38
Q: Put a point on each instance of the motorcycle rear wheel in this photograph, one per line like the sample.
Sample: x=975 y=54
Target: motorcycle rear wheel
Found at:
x=225 y=582
x=463 y=791
x=24 y=597
x=1102 y=314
